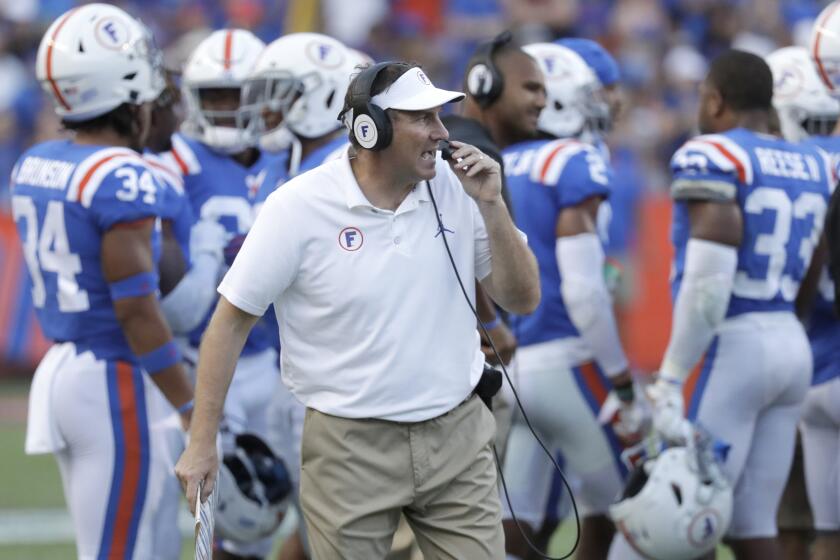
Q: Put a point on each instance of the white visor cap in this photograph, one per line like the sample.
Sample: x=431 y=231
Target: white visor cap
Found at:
x=413 y=91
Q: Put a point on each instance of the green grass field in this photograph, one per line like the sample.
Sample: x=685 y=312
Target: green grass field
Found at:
x=31 y=485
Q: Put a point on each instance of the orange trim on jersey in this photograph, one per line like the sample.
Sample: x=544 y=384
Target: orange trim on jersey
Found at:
x=739 y=167
x=180 y=161
x=816 y=53
x=165 y=169
x=50 y=45
x=690 y=385
x=90 y=173
x=596 y=385
x=131 y=463
x=228 y=48
x=133 y=224
x=550 y=159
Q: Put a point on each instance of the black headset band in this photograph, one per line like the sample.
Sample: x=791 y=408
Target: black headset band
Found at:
x=360 y=91
x=484 y=53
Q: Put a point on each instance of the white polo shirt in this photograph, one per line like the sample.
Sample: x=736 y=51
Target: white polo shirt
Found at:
x=372 y=321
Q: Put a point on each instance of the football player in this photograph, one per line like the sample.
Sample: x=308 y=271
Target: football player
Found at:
x=87 y=211
x=223 y=170
x=570 y=365
x=748 y=212
x=298 y=82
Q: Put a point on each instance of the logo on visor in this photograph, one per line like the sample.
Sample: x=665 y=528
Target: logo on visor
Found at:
x=351 y=239
x=423 y=78
x=365 y=131
x=111 y=33
x=324 y=54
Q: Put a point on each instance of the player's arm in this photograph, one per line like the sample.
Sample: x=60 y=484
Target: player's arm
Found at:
x=711 y=257
x=500 y=334
x=514 y=281
x=580 y=259
x=190 y=301
x=711 y=260
x=172 y=265
x=127 y=264
x=810 y=286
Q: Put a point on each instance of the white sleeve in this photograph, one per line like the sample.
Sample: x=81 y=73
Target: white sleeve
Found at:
x=580 y=260
x=186 y=305
x=269 y=259
x=700 y=306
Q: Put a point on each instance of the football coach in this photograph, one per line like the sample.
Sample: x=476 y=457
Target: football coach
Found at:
x=378 y=339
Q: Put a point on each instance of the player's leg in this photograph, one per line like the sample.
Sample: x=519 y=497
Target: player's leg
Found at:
x=101 y=410
x=167 y=441
x=246 y=411
x=527 y=472
x=285 y=428
x=820 y=430
x=563 y=404
x=786 y=362
x=593 y=454
x=796 y=525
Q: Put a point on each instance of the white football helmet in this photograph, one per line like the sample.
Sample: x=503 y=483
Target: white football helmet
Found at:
x=304 y=76
x=254 y=491
x=575 y=102
x=825 y=47
x=802 y=101
x=96 y=57
x=221 y=61
x=676 y=506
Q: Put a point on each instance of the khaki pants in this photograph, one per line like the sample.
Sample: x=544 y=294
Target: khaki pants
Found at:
x=358 y=475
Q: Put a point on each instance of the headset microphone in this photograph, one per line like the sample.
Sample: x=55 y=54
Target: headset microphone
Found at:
x=445 y=150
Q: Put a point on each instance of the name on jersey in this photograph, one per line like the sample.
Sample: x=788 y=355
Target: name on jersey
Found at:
x=790 y=165
x=47 y=173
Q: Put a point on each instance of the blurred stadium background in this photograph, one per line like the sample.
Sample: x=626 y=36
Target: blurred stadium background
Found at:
x=662 y=46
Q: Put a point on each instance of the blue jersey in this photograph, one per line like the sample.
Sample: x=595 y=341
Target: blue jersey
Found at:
x=221 y=189
x=782 y=190
x=543 y=178
x=175 y=207
x=278 y=172
x=65 y=196
x=823 y=326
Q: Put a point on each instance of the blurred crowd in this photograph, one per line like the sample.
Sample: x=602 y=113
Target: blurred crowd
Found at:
x=662 y=46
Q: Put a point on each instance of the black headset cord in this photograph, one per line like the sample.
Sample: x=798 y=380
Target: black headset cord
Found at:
x=531 y=545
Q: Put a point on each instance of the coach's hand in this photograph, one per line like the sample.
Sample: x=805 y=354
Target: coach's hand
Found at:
x=480 y=174
x=198 y=463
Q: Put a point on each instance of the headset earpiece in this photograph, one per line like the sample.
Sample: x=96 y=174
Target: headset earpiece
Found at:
x=485 y=82
x=371 y=126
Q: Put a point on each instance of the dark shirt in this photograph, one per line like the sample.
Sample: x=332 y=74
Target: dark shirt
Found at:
x=472 y=132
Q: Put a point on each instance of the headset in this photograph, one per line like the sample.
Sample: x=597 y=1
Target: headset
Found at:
x=371 y=127
x=484 y=80
x=446 y=153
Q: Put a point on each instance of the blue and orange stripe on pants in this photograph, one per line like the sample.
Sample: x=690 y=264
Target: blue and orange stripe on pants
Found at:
x=131 y=461
x=595 y=387
x=695 y=384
